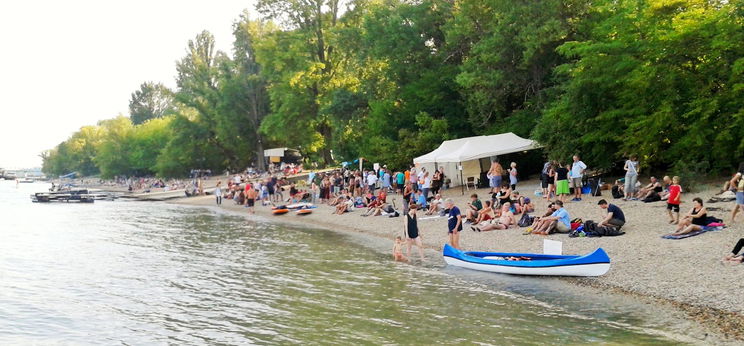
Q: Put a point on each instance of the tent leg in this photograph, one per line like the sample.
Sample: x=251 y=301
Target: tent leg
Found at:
x=461 y=181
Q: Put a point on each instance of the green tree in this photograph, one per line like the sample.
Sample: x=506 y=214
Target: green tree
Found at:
x=152 y=100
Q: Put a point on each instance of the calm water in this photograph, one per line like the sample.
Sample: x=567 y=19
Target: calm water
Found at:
x=144 y=273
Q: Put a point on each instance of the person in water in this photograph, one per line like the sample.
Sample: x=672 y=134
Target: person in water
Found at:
x=695 y=220
x=410 y=225
x=398 y=250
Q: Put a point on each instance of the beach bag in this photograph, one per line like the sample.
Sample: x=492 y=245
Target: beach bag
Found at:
x=616 y=192
x=526 y=220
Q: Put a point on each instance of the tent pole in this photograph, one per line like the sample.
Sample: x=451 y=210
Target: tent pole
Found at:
x=462 y=187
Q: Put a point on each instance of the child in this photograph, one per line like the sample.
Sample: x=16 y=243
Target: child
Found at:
x=675 y=195
x=398 y=250
x=513 y=175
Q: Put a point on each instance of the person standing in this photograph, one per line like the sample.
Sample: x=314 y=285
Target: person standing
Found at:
x=577 y=173
x=426 y=185
x=631 y=177
x=561 y=182
x=410 y=226
x=675 y=196
x=513 y=175
x=371 y=181
x=250 y=200
x=615 y=216
x=218 y=192
x=494 y=176
x=400 y=179
x=454 y=223
x=739 y=196
x=436 y=182
x=544 y=179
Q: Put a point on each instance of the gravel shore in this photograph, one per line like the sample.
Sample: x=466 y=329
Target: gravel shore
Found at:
x=686 y=273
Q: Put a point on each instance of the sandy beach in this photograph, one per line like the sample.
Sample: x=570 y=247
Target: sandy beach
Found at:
x=686 y=273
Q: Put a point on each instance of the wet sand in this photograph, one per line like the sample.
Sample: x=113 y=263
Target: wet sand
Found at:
x=686 y=274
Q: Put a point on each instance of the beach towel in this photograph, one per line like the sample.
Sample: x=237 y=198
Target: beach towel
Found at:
x=694 y=233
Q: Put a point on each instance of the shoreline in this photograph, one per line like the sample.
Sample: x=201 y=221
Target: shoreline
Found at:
x=632 y=274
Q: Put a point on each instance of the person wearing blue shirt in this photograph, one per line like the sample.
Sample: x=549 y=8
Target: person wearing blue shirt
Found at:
x=559 y=221
x=454 y=222
x=420 y=199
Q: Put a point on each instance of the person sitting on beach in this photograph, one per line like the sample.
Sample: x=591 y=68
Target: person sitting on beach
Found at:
x=559 y=221
x=521 y=204
x=504 y=221
x=420 y=199
x=695 y=220
x=731 y=184
x=647 y=190
x=485 y=214
x=614 y=217
x=343 y=205
x=735 y=257
x=474 y=207
x=398 y=250
x=435 y=205
x=666 y=183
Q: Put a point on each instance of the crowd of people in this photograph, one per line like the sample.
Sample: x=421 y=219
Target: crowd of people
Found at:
x=414 y=191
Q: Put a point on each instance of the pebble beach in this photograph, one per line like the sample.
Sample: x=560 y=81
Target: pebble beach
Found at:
x=686 y=273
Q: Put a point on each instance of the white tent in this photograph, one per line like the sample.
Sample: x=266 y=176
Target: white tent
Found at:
x=468 y=151
x=276 y=152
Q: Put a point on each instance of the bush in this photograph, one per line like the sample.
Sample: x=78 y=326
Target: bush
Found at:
x=691 y=174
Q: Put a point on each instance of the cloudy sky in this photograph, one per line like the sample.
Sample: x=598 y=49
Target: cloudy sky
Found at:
x=66 y=64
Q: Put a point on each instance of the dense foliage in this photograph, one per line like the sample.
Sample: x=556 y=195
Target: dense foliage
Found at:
x=390 y=79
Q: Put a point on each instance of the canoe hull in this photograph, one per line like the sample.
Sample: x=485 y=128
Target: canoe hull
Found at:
x=594 y=264
x=597 y=269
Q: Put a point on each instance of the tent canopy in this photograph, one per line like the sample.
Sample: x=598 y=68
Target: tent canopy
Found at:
x=276 y=152
x=473 y=148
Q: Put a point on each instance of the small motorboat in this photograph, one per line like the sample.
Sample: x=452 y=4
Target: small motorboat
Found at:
x=594 y=264
x=25 y=180
x=280 y=211
x=304 y=211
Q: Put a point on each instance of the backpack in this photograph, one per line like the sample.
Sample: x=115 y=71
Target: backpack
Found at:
x=616 y=192
x=526 y=220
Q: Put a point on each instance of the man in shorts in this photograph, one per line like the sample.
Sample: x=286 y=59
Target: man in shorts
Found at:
x=454 y=223
x=739 y=196
x=577 y=173
x=545 y=178
x=675 y=192
x=250 y=200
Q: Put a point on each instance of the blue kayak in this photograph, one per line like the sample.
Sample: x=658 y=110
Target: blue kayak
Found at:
x=594 y=264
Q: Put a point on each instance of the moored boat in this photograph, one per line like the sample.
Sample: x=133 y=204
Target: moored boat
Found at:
x=594 y=264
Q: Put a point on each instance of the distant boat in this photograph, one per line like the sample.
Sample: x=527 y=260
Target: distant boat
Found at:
x=25 y=180
x=594 y=264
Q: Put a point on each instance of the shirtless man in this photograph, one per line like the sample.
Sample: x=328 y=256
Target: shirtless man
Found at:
x=504 y=221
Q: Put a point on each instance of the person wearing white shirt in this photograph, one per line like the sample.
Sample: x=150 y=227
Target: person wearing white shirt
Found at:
x=577 y=172
x=371 y=181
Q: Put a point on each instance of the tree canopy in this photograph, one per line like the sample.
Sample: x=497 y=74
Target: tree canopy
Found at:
x=390 y=79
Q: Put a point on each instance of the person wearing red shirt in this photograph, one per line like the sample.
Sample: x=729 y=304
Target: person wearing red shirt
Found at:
x=675 y=195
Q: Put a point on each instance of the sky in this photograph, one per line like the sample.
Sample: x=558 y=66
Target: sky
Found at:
x=67 y=64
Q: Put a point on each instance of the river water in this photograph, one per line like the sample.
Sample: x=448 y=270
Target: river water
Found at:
x=139 y=273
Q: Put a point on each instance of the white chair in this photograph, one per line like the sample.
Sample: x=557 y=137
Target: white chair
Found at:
x=470 y=181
